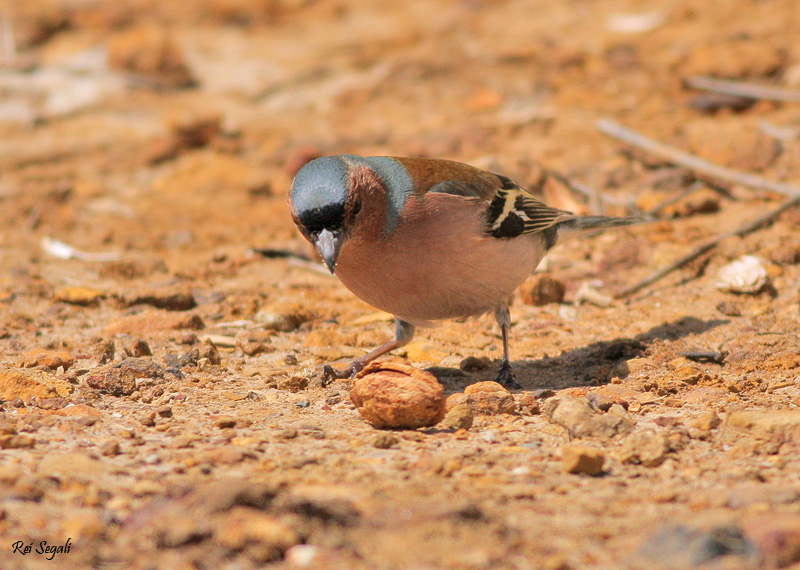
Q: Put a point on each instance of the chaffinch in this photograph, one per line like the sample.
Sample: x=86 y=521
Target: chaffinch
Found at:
x=427 y=239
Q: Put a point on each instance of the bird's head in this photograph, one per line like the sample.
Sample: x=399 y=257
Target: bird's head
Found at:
x=324 y=205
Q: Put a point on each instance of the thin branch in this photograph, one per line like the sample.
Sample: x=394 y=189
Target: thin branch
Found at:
x=691 y=189
x=708 y=246
x=777 y=132
x=700 y=166
x=742 y=89
x=691 y=162
x=586 y=191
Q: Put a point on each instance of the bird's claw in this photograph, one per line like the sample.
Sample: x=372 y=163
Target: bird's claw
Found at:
x=329 y=373
x=505 y=377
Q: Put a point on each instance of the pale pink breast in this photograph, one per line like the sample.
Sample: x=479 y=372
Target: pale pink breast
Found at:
x=437 y=264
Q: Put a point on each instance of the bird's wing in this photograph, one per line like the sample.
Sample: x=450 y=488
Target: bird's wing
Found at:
x=514 y=211
x=510 y=209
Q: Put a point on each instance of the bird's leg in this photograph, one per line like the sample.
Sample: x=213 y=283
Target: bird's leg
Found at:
x=403 y=334
x=505 y=375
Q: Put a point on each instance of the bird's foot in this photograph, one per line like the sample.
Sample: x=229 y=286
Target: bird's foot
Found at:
x=329 y=373
x=505 y=377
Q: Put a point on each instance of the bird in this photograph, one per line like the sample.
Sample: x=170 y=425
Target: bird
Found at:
x=428 y=239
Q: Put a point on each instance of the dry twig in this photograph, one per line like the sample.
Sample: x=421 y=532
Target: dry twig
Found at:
x=588 y=191
x=712 y=170
x=742 y=89
x=708 y=246
x=692 y=188
x=697 y=165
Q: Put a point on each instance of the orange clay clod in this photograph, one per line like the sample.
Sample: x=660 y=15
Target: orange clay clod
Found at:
x=397 y=396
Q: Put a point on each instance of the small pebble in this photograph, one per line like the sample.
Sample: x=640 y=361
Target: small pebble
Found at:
x=385 y=441
x=188 y=338
x=7 y=426
x=528 y=404
x=490 y=398
x=584 y=460
x=148 y=419
x=252 y=348
x=459 y=417
x=210 y=352
x=223 y=422
x=744 y=275
x=474 y=364
x=580 y=420
x=680 y=546
x=110 y=447
x=293 y=384
x=489 y=436
x=282 y=318
x=288 y=433
x=301 y=555
x=706 y=422
x=188 y=358
x=169 y=298
x=17 y=441
x=599 y=401
x=542 y=289
x=138 y=348
x=50 y=359
x=83 y=296
x=647 y=447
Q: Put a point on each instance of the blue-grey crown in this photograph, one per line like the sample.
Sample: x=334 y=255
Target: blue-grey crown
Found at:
x=319 y=193
x=322 y=186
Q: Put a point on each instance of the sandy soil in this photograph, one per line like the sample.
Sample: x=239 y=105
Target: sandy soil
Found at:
x=162 y=403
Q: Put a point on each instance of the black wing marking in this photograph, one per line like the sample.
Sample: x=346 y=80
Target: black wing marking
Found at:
x=513 y=212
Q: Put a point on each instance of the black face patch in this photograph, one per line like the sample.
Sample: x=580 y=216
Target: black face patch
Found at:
x=327 y=217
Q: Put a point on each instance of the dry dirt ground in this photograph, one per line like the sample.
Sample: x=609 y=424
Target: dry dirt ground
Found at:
x=161 y=397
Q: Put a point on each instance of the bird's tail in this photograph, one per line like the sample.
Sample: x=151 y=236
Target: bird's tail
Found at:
x=583 y=225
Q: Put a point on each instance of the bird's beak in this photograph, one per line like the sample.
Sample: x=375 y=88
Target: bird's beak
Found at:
x=329 y=244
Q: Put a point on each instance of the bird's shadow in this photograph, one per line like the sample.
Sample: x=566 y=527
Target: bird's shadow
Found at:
x=590 y=365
